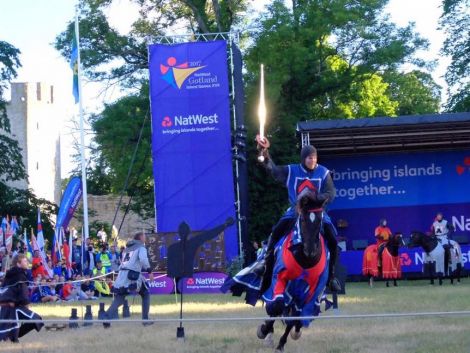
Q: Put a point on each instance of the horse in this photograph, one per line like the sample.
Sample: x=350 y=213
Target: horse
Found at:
x=300 y=272
x=299 y=276
x=440 y=259
x=390 y=267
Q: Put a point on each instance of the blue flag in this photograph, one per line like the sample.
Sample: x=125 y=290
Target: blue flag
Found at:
x=74 y=67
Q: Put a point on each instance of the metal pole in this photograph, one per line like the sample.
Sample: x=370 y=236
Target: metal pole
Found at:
x=82 y=136
x=237 y=174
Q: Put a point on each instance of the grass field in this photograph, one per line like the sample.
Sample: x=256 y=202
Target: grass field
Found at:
x=423 y=335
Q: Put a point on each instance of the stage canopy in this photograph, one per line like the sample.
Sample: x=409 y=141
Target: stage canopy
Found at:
x=338 y=137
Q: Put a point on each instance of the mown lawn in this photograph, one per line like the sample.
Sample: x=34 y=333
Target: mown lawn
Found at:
x=431 y=334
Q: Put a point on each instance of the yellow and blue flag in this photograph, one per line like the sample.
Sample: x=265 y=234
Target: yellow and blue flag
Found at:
x=74 y=66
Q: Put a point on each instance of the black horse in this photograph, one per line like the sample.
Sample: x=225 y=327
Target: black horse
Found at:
x=441 y=259
x=289 y=294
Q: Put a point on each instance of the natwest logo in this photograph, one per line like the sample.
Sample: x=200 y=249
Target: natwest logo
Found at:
x=194 y=119
x=166 y=122
x=405 y=259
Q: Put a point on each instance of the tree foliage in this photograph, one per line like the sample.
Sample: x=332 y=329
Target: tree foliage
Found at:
x=455 y=21
x=10 y=152
x=107 y=55
x=415 y=92
x=117 y=130
x=323 y=59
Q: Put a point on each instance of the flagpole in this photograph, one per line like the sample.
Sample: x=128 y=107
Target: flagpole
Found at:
x=82 y=136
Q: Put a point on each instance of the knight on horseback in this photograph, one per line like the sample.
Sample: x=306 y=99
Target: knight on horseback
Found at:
x=441 y=229
x=382 y=234
x=296 y=177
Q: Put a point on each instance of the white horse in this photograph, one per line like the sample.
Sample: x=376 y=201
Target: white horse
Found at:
x=443 y=260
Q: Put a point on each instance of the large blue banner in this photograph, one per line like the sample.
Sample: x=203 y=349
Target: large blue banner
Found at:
x=406 y=189
x=70 y=199
x=191 y=141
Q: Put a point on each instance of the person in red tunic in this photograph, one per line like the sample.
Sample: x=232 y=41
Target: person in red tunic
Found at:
x=382 y=235
x=38 y=267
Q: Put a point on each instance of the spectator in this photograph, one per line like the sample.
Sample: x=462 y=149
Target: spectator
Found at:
x=59 y=285
x=88 y=288
x=45 y=292
x=6 y=259
x=89 y=263
x=38 y=267
x=57 y=269
x=16 y=249
x=105 y=258
x=115 y=259
x=76 y=256
x=101 y=286
x=35 y=294
x=102 y=235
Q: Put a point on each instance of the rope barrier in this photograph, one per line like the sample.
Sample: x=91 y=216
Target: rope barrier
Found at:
x=32 y=284
x=260 y=318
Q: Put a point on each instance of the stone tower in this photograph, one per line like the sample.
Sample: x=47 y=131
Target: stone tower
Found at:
x=35 y=125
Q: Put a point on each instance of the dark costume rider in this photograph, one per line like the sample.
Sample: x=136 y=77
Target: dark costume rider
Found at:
x=14 y=300
x=297 y=177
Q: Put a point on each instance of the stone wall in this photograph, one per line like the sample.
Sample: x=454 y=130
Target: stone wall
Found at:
x=104 y=208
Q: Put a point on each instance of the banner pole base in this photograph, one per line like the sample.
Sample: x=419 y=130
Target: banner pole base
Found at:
x=180 y=333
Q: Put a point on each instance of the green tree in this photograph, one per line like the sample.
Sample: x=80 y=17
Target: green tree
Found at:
x=455 y=21
x=323 y=59
x=415 y=92
x=117 y=130
x=107 y=55
x=10 y=152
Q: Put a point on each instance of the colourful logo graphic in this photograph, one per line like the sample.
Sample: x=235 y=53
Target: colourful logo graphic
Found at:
x=190 y=281
x=405 y=259
x=462 y=168
x=166 y=122
x=175 y=74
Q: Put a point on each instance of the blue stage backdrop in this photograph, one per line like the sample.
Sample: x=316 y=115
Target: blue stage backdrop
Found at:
x=191 y=139
x=407 y=189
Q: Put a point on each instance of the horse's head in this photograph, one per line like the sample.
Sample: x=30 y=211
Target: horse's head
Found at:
x=397 y=239
x=310 y=210
x=415 y=239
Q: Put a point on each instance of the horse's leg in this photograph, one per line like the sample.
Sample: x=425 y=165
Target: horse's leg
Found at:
x=431 y=268
x=458 y=272
x=283 y=339
x=387 y=283
x=295 y=335
x=265 y=331
x=395 y=284
x=371 y=281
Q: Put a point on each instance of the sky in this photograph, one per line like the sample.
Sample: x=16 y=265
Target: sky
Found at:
x=32 y=25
